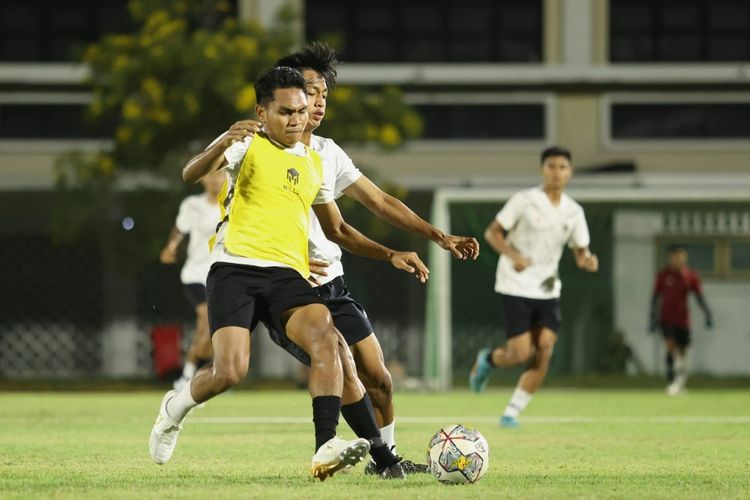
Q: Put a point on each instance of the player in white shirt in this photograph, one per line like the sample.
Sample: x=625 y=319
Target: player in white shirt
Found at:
x=197 y=218
x=530 y=233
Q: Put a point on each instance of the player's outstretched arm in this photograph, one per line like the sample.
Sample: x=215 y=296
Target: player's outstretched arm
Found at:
x=168 y=254
x=211 y=158
x=653 y=316
x=495 y=237
x=586 y=260
x=394 y=211
x=341 y=233
x=706 y=311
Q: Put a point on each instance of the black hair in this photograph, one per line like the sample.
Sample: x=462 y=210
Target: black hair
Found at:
x=675 y=249
x=556 y=151
x=317 y=56
x=277 y=78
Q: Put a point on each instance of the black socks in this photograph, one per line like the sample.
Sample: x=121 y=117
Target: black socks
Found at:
x=489 y=359
x=361 y=418
x=326 y=410
x=670 y=367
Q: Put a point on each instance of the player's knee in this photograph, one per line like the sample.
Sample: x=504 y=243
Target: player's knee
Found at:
x=229 y=374
x=519 y=354
x=320 y=327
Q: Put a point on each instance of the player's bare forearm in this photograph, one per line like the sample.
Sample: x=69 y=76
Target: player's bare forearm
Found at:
x=341 y=233
x=212 y=158
x=168 y=254
x=494 y=235
x=204 y=163
x=391 y=209
x=357 y=243
x=585 y=260
x=397 y=213
x=704 y=306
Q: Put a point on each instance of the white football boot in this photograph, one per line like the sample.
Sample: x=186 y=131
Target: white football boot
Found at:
x=337 y=454
x=164 y=433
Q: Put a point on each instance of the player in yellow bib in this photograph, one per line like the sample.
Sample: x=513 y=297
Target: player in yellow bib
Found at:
x=259 y=272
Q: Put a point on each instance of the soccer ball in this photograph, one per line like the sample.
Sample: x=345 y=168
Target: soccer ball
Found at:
x=458 y=455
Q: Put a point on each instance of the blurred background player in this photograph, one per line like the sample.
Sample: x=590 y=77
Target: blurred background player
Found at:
x=672 y=286
x=529 y=233
x=197 y=218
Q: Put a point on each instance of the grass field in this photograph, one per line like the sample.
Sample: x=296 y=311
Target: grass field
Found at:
x=250 y=444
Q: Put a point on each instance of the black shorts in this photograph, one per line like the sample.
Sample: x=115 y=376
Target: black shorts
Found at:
x=522 y=314
x=681 y=336
x=240 y=295
x=348 y=315
x=195 y=293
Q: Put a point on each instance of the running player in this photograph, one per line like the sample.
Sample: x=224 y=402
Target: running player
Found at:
x=259 y=270
x=197 y=217
x=673 y=285
x=529 y=233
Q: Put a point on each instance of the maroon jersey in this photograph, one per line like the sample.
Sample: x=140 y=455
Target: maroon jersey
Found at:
x=674 y=287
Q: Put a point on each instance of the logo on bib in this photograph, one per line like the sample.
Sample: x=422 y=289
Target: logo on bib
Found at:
x=292 y=181
x=292 y=176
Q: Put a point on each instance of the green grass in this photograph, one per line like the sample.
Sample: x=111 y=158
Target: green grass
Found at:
x=74 y=445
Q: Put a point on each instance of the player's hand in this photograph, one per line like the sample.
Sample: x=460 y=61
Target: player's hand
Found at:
x=168 y=255
x=318 y=267
x=590 y=263
x=709 y=323
x=461 y=247
x=520 y=263
x=239 y=130
x=411 y=263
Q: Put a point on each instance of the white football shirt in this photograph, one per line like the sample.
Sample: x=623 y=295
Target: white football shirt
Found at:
x=340 y=173
x=197 y=218
x=539 y=231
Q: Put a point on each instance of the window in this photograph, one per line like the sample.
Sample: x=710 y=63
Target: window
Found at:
x=680 y=121
x=429 y=30
x=679 y=30
x=739 y=258
x=483 y=121
x=56 y=31
x=714 y=257
x=48 y=121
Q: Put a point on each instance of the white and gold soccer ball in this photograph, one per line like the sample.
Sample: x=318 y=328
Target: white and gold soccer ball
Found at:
x=458 y=455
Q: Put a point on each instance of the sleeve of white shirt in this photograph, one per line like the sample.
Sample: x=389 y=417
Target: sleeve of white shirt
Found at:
x=235 y=153
x=511 y=212
x=580 y=237
x=184 y=217
x=325 y=195
x=346 y=172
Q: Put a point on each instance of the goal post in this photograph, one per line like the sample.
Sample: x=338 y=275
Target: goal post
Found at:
x=438 y=353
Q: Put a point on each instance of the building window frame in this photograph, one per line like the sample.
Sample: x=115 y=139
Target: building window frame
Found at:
x=609 y=99
x=547 y=100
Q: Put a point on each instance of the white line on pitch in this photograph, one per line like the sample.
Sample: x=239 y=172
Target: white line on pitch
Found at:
x=531 y=420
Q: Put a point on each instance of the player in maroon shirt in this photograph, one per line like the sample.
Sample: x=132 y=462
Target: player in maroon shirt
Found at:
x=673 y=284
